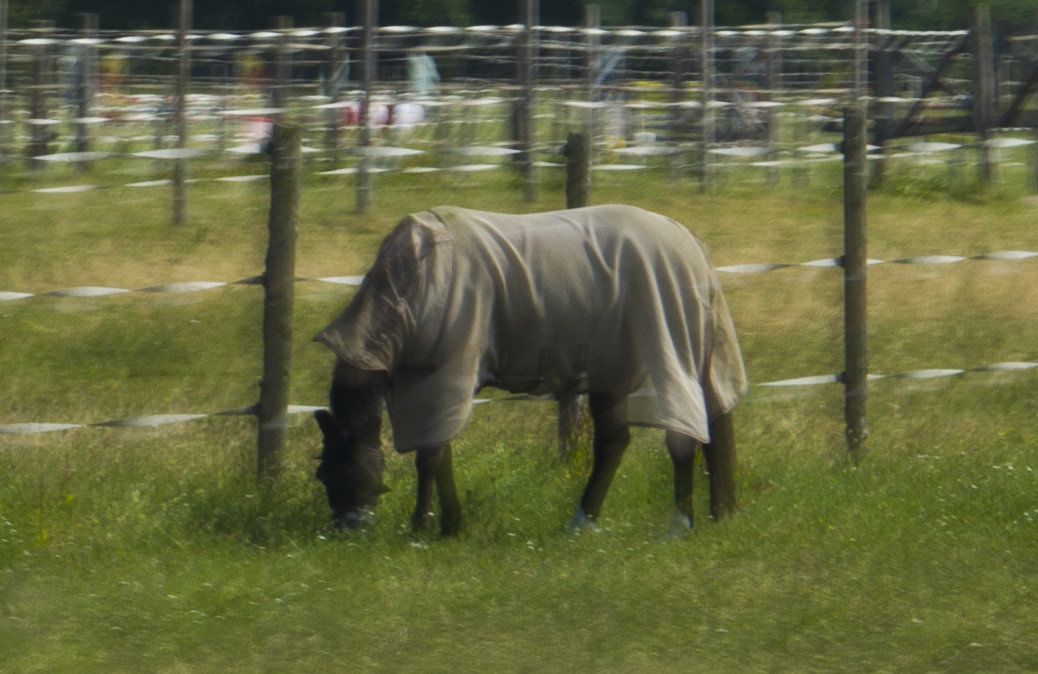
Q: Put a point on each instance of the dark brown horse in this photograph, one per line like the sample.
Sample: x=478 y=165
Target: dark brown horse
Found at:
x=612 y=301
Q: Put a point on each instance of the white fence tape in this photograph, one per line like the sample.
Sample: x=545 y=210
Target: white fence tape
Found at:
x=752 y=268
x=145 y=421
x=1004 y=255
x=463 y=168
x=812 y=154
x=157 y=420
x=931 y=373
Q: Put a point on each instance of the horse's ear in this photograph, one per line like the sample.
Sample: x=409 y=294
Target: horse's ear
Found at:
x=326 y=421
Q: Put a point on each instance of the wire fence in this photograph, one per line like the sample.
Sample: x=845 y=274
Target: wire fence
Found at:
x=157 y=420
x=449 y=97
x=355 y=280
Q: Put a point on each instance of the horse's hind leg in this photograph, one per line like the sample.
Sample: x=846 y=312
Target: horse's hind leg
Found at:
x=682 y=450
x=610 y=440
x=720 y=463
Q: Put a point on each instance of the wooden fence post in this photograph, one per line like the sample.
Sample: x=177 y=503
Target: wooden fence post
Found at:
x=86 y=71
x=593 y=74
x=578 y=170
x=3 y=80
x=855 y=262
x=183 y=75
x=773 y=86
x=525 y=111
x=708 y=130
x=282 y=67
x=336 y=63
x=278 y=285
x=572 y=418
x=679 y=58
x=883 y=61
x=40 y=90
x=369 y=20
x=860 y=48
x=985 y=100
x=1034 y=169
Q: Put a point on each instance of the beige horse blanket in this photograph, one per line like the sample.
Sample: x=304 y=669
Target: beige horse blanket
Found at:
x=606 y=298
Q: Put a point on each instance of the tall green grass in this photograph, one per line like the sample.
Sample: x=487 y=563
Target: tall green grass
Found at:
x=155 y=550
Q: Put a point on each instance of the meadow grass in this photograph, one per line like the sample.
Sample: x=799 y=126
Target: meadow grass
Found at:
x=155 y=550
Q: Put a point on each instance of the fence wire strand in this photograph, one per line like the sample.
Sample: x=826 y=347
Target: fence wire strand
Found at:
x=86 y=292
x=153 y=421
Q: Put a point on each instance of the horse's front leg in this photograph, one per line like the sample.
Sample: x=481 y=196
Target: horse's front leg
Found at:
x=682 y=450
x=435 y=469
x=610 y=440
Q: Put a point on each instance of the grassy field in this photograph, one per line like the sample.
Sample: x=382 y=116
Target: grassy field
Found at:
x=154 y=550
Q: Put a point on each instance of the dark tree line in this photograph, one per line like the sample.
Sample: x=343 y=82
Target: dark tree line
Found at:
x=254 y=14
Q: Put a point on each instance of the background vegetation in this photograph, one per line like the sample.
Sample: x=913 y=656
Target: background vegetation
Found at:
x=154 y=549
x=239 y=14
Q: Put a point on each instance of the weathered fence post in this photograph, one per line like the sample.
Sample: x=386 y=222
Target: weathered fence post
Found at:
x=708 y=128
x=278 y=282
x=369 y=20
x=86 y=70
x=855 y=262
x=578 y=170
x=774 y=86
x=884 y=75
x=593 y=74
x=525 y=110
x=3 y=80
x=282 y=68
x=39 y=91
x=679 y=58
x=572 y=418
x=336 y=63
x=183 y=76
x=861 y=50
x=1034 y=169
x=985 y=104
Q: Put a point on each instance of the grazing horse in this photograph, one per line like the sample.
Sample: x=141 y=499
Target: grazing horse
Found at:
x=612 y=301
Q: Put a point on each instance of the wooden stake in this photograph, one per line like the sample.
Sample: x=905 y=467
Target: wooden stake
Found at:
x=369 y=19
x=183 y=75
x=526 y=107
x=278 y=285
x=709 y=131
x=855 y=262
x=985 y=100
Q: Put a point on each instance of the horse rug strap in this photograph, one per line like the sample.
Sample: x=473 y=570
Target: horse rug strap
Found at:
x=605 y=298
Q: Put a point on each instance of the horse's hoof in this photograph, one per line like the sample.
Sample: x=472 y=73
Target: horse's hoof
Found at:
x=680 y=525
x=580 y=522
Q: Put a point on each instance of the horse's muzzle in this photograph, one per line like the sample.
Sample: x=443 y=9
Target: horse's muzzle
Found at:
x=352 y=519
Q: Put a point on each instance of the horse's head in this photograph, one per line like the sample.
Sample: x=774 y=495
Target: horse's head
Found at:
x=350 y=469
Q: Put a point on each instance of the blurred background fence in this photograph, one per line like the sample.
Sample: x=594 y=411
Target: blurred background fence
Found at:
x=678 y=98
